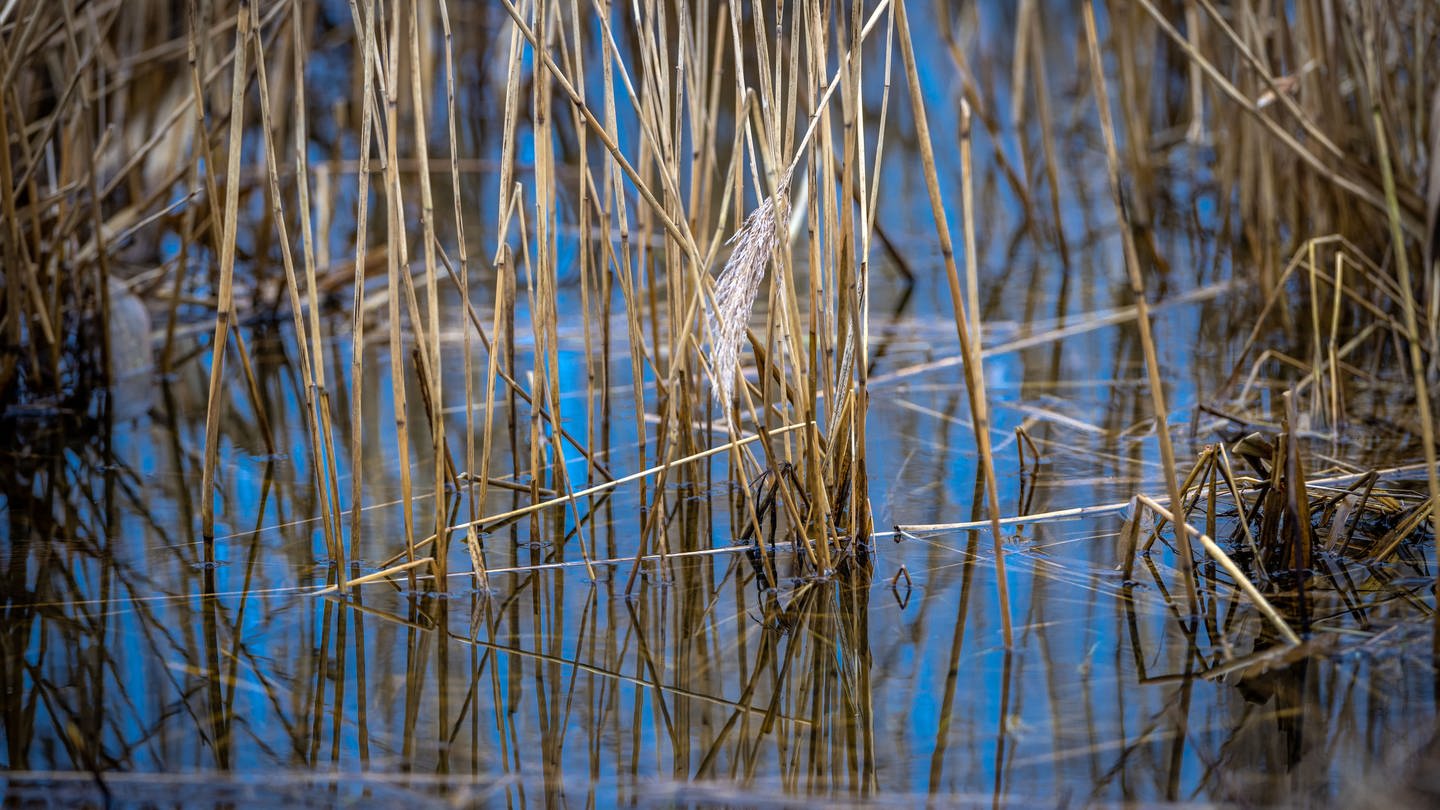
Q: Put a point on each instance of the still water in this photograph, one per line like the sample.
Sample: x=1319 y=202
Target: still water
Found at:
x=145 y=665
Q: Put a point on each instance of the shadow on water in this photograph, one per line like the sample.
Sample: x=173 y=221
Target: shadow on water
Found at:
x=144 y=663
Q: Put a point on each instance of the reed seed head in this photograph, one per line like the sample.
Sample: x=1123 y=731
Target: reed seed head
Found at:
x=738 y=284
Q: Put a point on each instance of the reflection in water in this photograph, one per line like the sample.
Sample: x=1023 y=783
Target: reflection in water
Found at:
x=145 y=662
x=131 y=646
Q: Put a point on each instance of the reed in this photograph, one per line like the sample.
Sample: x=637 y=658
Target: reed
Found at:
x=578 y=295
x=709 y=177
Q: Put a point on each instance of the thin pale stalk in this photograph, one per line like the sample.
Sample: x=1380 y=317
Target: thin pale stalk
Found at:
x=974 y=375
x=1142 y=306
x=224 y=294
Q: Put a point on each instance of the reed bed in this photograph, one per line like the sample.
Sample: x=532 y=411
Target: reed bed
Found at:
x=655 y=208
x=709 y=176
x=357 y=285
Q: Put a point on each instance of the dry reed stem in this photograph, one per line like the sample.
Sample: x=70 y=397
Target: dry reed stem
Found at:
x=492 y=370
x=1413 y=337
x=365 y=28
x=974 y=374
x=377 y=575
x=576 y=496
x=430 y=336
x=1137 y=290
x=396 y=238
x=1358 y=187
x=472 y=541
x=1218 y=554
x=1431 y=241
x=1096 y=510
x=224 y=301
x=316 y=412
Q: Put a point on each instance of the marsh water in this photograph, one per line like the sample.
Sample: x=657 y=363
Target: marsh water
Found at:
x=146 y=665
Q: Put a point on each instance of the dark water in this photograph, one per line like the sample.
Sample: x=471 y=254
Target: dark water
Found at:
x=143 y=664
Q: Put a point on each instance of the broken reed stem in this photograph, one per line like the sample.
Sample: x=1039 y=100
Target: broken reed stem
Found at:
x=1137 y=290
x=379 y=575
x=1096 y=510
x=575 y=497
x=1218 y=554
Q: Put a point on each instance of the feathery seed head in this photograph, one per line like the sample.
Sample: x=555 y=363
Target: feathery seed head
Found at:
x=738 y=284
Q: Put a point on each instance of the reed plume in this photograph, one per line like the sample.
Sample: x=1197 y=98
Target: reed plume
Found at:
x=738 y=284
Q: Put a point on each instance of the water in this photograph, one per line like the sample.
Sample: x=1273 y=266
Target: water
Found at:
x=132 y=647
x=145 y=665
